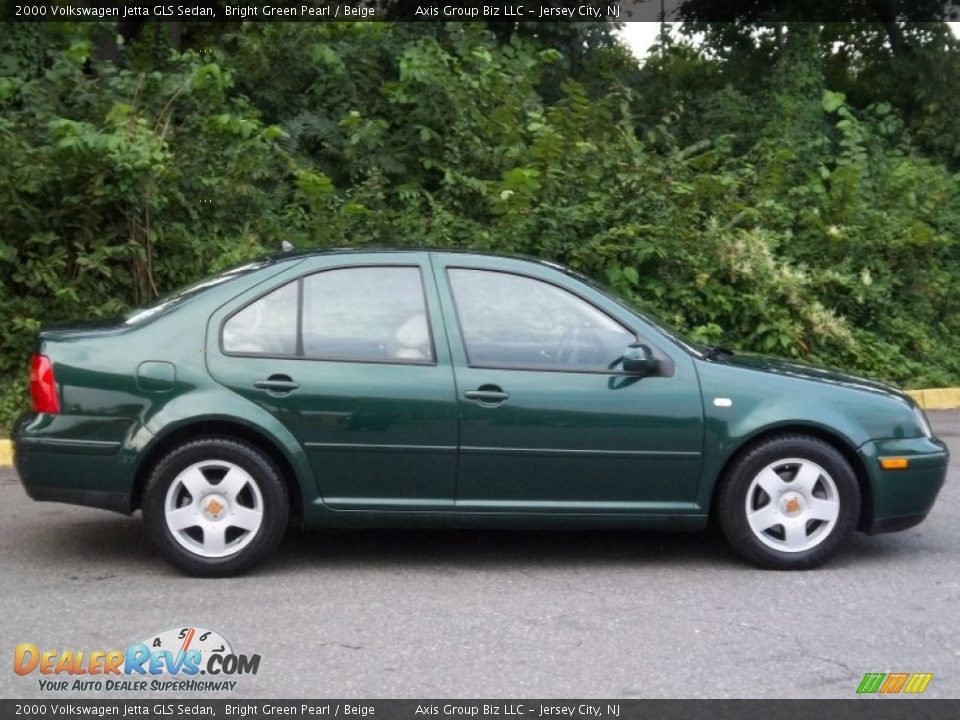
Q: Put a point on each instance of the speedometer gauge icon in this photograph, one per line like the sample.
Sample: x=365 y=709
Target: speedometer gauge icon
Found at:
x=186 y=638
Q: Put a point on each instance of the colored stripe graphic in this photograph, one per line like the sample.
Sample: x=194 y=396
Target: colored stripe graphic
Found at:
x=893 y=683
x=871 y=682
x=918 y=682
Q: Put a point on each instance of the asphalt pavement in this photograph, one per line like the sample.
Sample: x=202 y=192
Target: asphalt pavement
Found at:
x=466 y=614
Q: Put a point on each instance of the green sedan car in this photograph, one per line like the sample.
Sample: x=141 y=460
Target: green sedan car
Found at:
x=388 y=388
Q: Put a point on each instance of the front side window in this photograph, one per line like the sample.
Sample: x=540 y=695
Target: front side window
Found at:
x=512 y=321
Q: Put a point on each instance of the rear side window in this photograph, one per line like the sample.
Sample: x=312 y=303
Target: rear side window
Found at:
x=366 y=313
x=360 y=314
x=267 y=326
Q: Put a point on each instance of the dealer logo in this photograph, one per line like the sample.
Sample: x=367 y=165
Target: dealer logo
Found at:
x=170 y=660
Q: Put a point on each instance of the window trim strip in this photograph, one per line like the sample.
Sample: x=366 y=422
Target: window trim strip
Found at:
x=298 y=349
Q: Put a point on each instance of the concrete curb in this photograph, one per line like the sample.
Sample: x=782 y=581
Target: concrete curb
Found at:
x=929 y=399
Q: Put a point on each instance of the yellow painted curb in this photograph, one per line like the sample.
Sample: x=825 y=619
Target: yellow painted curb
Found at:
x=6 y=453
x=936 y=398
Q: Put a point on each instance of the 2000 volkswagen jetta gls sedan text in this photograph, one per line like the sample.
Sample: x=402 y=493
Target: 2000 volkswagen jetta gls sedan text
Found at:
x=358 y=388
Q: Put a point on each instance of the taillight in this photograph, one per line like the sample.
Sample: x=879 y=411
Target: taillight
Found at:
x=43 y=388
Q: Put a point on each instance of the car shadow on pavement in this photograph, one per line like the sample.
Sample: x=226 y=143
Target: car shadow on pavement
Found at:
x=111 y=541
x=589 y=549
x=79 y=545
x=411 y=548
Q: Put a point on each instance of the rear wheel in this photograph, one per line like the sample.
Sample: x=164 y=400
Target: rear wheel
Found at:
x=789 y=503
x=215 y=506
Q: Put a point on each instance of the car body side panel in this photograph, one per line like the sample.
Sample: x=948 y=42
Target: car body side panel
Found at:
x=378 y=434
x=567 y=442
x=216 y=405
x=752 y=403
x=111 y=411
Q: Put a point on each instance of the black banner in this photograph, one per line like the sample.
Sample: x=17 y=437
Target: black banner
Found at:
x=862 y=709
x=757 y=11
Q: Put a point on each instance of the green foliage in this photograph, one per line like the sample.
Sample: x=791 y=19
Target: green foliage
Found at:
x=119 y=185
x=792 y=214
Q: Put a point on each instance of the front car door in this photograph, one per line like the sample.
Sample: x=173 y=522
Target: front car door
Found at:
x=349 y=353
x=548 y=420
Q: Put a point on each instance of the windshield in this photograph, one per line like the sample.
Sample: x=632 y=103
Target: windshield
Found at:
x=183 y=294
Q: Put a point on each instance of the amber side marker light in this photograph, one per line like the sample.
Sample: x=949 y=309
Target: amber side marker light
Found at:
x=893 y=463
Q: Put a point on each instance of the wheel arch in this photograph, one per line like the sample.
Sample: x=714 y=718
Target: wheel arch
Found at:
x=835 y=440
x=219 y=427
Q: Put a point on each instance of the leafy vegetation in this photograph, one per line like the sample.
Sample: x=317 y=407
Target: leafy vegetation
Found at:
x=790 y=190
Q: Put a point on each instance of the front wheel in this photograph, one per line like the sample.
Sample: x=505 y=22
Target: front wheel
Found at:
x=789 y=503
x=215 y=507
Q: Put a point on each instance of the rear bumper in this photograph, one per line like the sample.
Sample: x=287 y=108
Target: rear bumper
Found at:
x=118 y=502
x=901 y=499
x=57 y=464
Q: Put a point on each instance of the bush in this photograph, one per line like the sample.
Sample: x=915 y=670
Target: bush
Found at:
x=779 y=219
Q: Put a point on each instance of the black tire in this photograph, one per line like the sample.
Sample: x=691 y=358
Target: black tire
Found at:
x=732 y=503
x=273 y=499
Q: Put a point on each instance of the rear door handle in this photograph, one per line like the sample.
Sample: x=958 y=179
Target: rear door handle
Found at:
x=487 y=395
x=277 y=384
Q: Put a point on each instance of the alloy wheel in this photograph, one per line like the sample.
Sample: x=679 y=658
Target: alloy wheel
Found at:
x=213 y=508
x=792 y=505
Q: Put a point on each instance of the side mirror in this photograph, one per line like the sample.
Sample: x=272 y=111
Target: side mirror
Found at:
x=638 y=359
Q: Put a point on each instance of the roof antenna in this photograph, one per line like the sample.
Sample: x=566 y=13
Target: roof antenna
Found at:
x=286 y=246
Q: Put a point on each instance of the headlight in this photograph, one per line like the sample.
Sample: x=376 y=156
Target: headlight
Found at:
x=923 y=422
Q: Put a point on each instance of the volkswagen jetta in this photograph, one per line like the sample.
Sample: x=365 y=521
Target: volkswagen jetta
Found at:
x=358 y=388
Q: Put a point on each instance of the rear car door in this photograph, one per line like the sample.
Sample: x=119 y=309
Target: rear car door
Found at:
x=548 y=421
x=349 y=353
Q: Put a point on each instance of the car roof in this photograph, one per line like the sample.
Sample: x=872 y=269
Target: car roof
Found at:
x=311 y=252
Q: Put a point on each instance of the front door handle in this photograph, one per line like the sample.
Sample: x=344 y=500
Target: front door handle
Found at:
x=277 y=384
x=487 y=395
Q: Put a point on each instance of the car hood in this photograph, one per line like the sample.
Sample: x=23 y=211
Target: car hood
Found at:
x=779 y=366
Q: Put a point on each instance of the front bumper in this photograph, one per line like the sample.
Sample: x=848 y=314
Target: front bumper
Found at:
x=900 y=499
